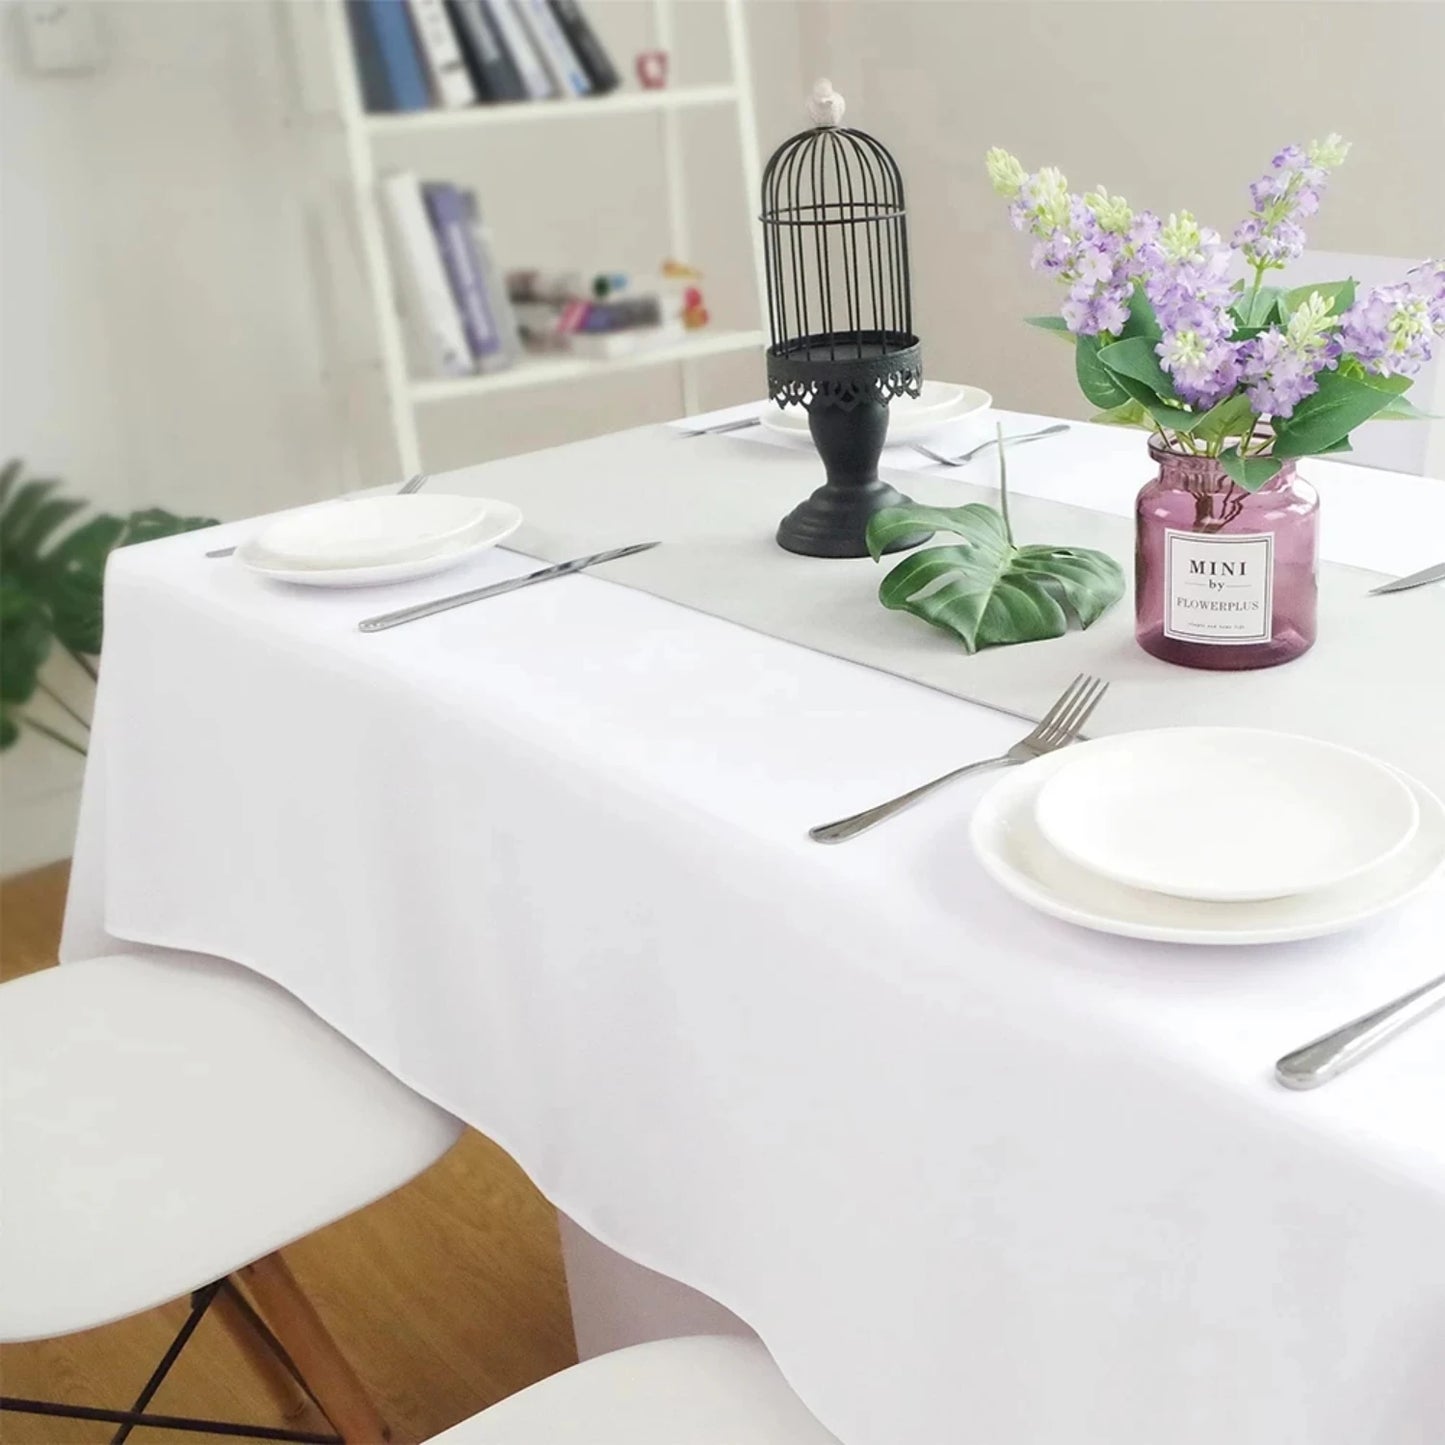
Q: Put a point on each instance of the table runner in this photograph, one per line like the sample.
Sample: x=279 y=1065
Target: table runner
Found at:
x=715 y=501
x=972 y=1174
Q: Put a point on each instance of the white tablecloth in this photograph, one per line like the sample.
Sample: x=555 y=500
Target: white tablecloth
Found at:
x=973 y=1175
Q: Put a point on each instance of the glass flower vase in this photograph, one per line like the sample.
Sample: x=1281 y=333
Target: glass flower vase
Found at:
x=1224 y=578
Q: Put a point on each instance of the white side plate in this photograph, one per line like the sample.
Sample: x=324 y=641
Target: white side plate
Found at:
x=375 y=531
x=1228 y=814
x=941 y=402
x=503 y=520
x=1015 y=854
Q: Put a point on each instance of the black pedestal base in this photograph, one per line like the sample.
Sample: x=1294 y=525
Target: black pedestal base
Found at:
x=833 y=522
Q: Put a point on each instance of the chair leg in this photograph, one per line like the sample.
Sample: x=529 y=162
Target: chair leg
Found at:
x=299 y=1328
x=239 y=1321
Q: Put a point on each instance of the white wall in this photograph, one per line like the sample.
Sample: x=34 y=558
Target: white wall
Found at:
x=158 y=343
x=183 y=323
x=1174 y=103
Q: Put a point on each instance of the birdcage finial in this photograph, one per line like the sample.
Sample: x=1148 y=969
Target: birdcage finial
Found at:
x=825 y=105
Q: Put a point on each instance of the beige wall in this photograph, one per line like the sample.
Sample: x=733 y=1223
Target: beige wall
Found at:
x=1174 y=103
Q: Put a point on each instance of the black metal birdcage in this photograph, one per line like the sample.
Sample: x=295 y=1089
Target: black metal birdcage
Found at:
x=840 y=314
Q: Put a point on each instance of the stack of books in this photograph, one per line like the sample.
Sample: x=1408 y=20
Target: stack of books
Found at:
x=453 y=298
x=604 y=317
x=425 y=54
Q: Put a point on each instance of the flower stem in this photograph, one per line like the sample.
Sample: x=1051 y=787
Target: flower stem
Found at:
x=1008 y=530
x=85 y=664
x=61 y=703
x=51 y=733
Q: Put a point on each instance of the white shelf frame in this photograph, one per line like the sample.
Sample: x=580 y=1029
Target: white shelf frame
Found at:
x=365 y=132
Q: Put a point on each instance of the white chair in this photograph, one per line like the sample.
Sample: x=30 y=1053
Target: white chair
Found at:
x=167 y=1123
x=701 y=1390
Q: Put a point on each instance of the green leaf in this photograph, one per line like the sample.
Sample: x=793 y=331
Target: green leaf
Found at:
x=1096 y=381
x=1136 y=358
x=1232 y=417
x=1054 y=325
x=25 y=640
x=8 y=477
x=1259 y=308
x=986 y=591
x=1401 y=408
x=1332 y=412
x=1172 y=418
x=1142 y=321
x=1342 y=293
x=1251 y=473
x=1128 y=413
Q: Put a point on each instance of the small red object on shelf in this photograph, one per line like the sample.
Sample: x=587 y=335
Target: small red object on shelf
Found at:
x=652 y=69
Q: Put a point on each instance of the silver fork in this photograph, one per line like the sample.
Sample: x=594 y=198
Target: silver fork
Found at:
x=410 y=485
x=1058 y=728
x=964 y=458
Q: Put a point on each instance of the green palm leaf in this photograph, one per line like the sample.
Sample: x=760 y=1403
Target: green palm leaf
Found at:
x=985 y=590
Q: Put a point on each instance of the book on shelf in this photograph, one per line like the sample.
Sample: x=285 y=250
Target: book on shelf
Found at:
x=557 y=54
x=388 y=58
x=516 y=40
x=494 y=73
x=586 y=46
x=451 y=80
x=429 y=308
x=452 y=226
x=494 y=287
x=452 y=54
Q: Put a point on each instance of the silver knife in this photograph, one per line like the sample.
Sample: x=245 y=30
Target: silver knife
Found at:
x=724 y=426
x=496 y=589
x=1320 y=1060
x=1415 y=579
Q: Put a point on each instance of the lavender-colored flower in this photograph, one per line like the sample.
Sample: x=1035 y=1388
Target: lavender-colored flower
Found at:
x=1280 y=366
x=1080 y=240
x=1290 y=191
x=1391 y=330
x=1184 y=269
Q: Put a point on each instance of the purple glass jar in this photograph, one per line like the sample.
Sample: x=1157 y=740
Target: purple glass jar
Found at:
x=1224 y=578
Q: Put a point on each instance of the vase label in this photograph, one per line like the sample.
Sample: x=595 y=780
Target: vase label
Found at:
x=1219 y=589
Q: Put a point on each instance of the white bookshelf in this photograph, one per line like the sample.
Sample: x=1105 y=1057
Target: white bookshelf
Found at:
x=364 y=132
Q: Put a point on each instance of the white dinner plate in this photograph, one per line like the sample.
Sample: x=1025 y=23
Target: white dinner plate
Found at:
x=1014 y=853
x=504 y=520
x=377 y=531
x=1225 y=814
x=939 y=402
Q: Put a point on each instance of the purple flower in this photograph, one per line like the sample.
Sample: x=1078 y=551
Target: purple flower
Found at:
x=1289 y=192
x=1279 y=367
x=1184 y=269
x=1391 y=330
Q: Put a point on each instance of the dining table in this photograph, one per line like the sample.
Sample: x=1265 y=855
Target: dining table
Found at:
x=972 y=1173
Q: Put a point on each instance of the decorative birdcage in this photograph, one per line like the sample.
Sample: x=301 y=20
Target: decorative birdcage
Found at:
x=840 y=313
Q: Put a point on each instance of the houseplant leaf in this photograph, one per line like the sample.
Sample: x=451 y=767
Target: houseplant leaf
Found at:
x=25 y=640
x=1251 y=473
x=1329 y=414
x=1096 y=381
x=987 y=591
x=76 y=569
x=1056 y=325
x=1340 y=293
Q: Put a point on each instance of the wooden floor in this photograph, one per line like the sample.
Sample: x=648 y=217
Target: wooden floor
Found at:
x=446 y=1297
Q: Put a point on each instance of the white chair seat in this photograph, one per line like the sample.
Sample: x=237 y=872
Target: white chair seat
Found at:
x=702 y=1390
x=168 y=1119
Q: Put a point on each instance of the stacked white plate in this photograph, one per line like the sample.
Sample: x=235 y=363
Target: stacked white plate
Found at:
x=1210 y=835
x=909 y=417
x=363 y=541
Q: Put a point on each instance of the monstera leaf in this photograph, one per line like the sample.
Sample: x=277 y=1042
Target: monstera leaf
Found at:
x=986 y=590
x=51 y=589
